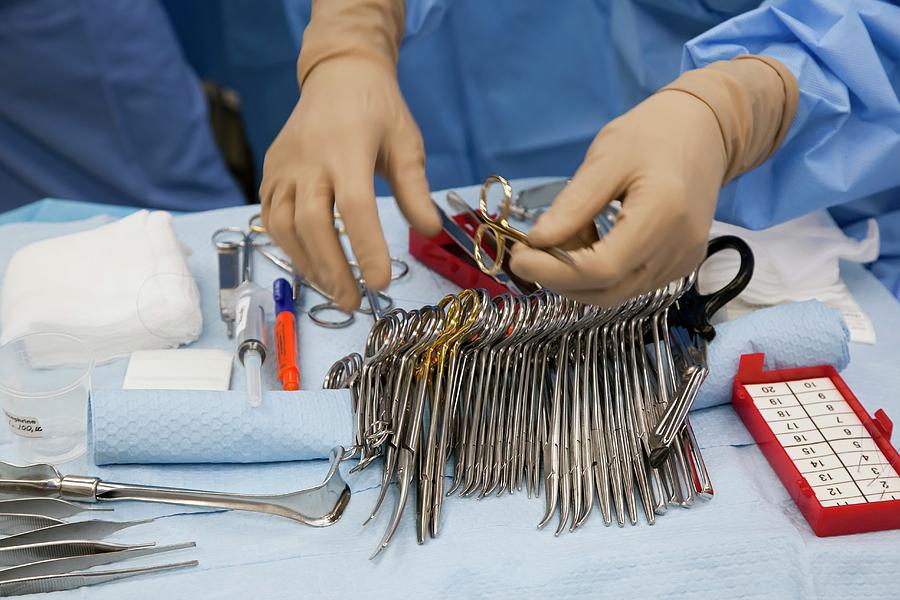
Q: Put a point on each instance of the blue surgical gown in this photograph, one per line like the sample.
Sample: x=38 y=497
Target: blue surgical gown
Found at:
x=98 y=104
x=519 y=88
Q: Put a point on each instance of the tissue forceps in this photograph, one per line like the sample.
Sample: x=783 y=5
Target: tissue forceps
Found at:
x=79 y=530
x=14 y=523
x=69 y=564
x=503 y=231
x=28 y=514
x=61 y=574
x=54 y=508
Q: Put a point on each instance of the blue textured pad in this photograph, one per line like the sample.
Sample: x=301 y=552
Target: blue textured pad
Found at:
x=791 y=335
x=155 y=426
x=142 y=426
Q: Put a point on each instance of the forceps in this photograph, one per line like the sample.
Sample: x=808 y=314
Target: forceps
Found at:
x=502 y=230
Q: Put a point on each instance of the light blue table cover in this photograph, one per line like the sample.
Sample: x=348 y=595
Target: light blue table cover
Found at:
x=750 y=541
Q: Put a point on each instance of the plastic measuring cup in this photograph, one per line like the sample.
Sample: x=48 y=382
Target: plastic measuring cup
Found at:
x=45 y=380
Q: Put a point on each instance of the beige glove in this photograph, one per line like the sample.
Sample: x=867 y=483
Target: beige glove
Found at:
x=350 y=122
x=666 y=159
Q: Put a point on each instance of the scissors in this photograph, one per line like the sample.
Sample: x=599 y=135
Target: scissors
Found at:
x=502 y=231
x=317 y=313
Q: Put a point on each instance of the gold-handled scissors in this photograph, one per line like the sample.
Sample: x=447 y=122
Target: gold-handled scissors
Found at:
x=503 y=231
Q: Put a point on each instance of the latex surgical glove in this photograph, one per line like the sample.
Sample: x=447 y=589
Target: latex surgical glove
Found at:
x=350 y=122
x=666 y=160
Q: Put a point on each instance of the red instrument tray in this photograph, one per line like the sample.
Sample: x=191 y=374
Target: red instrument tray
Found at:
x=443 y=256
x=834 y=459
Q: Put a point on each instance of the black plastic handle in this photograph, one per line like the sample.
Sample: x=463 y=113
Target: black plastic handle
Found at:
x=695 y=309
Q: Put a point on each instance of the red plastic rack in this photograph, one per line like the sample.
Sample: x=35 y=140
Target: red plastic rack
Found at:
x=835 y=460
x=444 y=257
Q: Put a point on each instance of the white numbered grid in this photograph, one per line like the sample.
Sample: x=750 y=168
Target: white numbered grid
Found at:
x=826 y=441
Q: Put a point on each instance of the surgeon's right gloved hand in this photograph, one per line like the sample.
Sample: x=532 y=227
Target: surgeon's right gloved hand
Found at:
x=350 y=122
x=666 y=160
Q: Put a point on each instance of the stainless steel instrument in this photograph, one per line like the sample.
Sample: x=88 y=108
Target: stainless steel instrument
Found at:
x=67 y=581
x=37 y=551
x=318 y=506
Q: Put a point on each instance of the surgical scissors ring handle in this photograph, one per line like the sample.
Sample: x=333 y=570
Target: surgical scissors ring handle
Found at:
x=502 y=230
x=313 y=313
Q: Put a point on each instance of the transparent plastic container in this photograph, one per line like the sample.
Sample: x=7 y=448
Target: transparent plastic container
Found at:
x=45 y=381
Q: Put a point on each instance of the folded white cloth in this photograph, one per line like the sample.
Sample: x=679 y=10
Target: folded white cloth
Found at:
x=120 y=287
x=795 y=261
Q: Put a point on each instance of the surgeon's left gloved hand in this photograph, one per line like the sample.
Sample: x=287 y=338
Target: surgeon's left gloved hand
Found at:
x=666 y=160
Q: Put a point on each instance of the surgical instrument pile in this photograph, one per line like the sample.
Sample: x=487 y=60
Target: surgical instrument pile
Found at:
x=525 y=392
x=43 y=553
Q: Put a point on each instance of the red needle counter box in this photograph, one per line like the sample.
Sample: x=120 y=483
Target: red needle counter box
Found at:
x=835 y=460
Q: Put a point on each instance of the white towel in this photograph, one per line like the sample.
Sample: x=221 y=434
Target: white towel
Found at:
x=796 y=261
x=120 y=287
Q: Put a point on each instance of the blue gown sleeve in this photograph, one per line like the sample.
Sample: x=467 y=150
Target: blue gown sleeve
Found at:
x=98 y=104
x=423 y=16
x=845 y=140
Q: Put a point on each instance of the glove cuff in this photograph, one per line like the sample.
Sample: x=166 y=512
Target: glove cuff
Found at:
x=754 y=99
x=370 y=29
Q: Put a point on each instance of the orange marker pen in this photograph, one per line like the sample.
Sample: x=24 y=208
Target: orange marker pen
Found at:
x=286 y=335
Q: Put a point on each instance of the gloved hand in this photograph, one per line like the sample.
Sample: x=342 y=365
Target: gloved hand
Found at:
x=666 y=160
x=351 y=121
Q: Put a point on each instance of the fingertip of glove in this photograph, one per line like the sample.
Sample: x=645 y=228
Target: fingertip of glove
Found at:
x=545 y=232
x=425 y=219
x=431 y=224
x=377 y=276
x=346 y=293
x=520 y=261
x=348 y=301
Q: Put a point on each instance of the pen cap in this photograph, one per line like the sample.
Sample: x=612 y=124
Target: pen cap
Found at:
x=291 y=380
x=283 y=295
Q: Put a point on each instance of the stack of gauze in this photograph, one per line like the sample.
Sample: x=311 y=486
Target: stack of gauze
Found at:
x=120 y=287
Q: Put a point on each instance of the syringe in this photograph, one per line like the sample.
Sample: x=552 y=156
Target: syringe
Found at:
x=250 y=317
